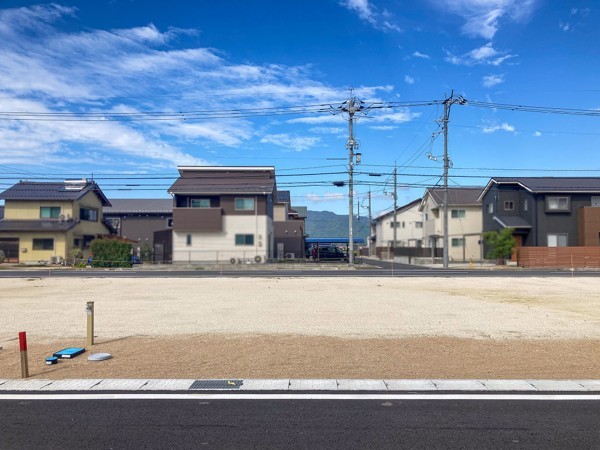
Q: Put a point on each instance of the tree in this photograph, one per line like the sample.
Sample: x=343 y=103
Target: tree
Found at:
x=501 y=244
x=111 y=253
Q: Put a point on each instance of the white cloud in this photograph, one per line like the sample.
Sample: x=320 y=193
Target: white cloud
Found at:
x=287 y=141
x=408 y=79
x=368 y=13
x=576 y=19
x=326 y=197
x=133 y=71
x=501 y=127
x=484 y=55
x=492 y=80
x=537 y=133
x=418 y=54
x=363 y=8
x=383 y=127
x=327 y=130
x=395 y=117
x=483 y=17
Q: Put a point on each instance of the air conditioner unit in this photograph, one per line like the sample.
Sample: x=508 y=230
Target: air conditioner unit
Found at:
x=289 y=256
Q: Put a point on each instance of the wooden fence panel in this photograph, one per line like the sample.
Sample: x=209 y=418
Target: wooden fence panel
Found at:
x=559 y=257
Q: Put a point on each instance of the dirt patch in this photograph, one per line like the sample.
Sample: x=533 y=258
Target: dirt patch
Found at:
x=204 y=356
x=307 y=327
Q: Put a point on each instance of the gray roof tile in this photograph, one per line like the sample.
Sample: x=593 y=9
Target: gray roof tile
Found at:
x=554 y=184
x=217 y=181
x=457 y=195
x=512 y=222
x=35 y=191
x=139 y=205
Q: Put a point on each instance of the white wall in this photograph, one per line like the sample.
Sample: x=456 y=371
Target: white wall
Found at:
x=220 y=246
x=468 y=228
x=405 y=235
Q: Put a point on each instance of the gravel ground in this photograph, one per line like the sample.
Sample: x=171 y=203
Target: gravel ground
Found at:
x=308 y=327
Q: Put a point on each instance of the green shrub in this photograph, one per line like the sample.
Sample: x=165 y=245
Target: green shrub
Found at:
x=111 y=253
x=501 y=243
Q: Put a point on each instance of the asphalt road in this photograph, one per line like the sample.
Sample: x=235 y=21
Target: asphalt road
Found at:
x=207 y=423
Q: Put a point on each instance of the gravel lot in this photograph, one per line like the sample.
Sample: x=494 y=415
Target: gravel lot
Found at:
x=307 y=327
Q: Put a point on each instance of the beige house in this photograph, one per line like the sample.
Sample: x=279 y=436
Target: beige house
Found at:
x=223 y=214
x=45 y=221
x=464 y=222
x=409 y=228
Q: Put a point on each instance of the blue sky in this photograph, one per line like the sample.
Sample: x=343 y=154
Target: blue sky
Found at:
x=71 y=59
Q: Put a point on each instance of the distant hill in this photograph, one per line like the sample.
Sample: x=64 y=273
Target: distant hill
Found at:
x=328 y=224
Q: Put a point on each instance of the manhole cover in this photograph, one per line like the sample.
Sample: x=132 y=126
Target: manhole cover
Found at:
x=216 y=384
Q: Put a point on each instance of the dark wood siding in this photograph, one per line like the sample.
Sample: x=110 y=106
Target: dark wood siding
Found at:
x=197 y=219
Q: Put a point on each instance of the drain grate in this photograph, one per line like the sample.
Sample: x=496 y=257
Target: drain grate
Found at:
x=216 y=384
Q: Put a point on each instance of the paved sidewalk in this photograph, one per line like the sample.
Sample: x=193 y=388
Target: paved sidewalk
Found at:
x=95 y=385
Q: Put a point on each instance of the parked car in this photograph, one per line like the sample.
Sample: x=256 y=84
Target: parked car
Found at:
x=330 y=253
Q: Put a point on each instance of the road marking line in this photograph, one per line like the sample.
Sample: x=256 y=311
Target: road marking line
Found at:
x=239 y=396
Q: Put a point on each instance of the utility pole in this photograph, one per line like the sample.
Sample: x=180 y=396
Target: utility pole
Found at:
x=351 y=107
x=395 y=222
x=370 y=222
x=447 y=104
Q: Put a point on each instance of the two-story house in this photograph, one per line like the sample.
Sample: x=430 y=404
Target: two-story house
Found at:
x=464 y=222
x=223 y=214
x=45 y=221
x=288 y=228
x=137 y=219
x=544 y=211
x=409 y=228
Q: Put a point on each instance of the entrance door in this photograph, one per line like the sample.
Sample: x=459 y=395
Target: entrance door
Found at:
x=10 y=248
x=518 y=245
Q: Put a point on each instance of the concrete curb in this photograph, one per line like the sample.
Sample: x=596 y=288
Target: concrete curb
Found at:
x=96 y=385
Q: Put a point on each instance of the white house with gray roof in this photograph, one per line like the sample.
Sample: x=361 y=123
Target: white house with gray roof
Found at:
x=464 y=222
x=409 y=228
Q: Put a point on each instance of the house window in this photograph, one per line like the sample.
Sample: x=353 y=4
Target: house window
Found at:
x=49 y=212
x=188 y=240
x=418 y=224
x=244 y=204
x=244 y=239
x=403 y=224
x=458 y=242
x=114 y=222
x=170 y=222
x=397 y=224
x=200 y=203
x=525 y=205
x=509 y=205
x=87 y=241
x=489 y=208
x=43 y=244
x=595 y=201
x=88 y=214
x=557 y=204
x=426 y=217
x=458 y=213
x=558 y=240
